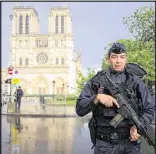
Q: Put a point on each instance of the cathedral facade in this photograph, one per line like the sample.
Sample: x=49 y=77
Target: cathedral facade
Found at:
x=46 y=63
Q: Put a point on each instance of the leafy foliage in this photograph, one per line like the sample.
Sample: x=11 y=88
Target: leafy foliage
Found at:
x=142 y=24
x=142 y=50
x=71 y=97
x=82 y=79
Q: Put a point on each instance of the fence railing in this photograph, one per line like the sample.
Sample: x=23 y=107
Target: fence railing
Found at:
x=32 y=98
x=45 y=99
x=6 y=98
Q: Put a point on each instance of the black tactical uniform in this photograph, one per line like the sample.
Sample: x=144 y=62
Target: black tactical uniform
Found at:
x=143 y=104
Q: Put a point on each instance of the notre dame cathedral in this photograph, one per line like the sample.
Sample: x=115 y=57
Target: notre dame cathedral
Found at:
x=47 y=63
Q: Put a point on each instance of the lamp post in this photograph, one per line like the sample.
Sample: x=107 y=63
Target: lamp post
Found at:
x=53 y=87
x=63 y=88
x=10 y=60
x=74 y=89
x=71 y=89
x=67 y=89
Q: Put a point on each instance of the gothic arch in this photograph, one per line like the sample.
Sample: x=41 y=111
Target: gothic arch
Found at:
x=59 y=85
x=62 y=60
x=56 y=24
x=27 y=24
x=20 y=61
x=57 y=60
x=41 y=84
x=21 y=24
x=62 y=24
x=24 y=85
x=41 y=80
x=26 y=61
x=59 y=81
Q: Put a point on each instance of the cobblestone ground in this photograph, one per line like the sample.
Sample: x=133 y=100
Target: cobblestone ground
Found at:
x=26 y=135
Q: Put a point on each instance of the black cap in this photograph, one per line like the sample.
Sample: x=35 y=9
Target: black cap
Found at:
x=117 y=48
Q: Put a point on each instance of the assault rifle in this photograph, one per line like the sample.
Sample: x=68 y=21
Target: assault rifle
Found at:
x=126 y=111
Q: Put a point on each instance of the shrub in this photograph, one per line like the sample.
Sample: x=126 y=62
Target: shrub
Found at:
x=70 y=97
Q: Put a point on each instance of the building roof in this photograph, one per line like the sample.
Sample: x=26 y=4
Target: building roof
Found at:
x=25 y=8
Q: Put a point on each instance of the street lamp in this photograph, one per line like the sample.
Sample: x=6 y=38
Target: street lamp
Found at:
x=10 y=60
x=53 y=87
x=63 y=88
x=74 y=88
x=10 y=63
x=67 y=89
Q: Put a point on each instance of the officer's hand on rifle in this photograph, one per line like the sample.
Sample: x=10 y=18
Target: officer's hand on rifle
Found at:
x=106 y=100
x=133 y=132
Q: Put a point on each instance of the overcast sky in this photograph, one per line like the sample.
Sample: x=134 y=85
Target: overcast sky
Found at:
x=95 y=25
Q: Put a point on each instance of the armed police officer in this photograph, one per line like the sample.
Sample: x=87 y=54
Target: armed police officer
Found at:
x=96 y=98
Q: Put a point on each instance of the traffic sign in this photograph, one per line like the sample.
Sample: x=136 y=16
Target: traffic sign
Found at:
x=15 y=81
x=10 y=71
x=15 y=73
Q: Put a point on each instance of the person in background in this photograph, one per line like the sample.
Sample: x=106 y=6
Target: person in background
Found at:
x=19 y=95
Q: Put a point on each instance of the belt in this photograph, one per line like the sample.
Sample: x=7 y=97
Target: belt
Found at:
x=114 y=138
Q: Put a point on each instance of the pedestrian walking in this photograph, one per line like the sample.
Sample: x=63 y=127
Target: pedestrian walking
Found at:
x=19 y=95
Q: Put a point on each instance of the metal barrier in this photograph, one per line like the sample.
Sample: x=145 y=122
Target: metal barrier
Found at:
x=55 y=99
x=5 y=99
x=45 y=99
x=30 y=98
x=7 y=105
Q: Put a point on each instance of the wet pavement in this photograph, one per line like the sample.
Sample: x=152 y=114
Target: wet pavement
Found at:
x=37 y=109
x=27 y=135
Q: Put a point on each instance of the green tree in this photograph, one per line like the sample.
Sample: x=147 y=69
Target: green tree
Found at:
x=142 y=50
x=142 y=24
x=105 y=64
x=82 y=79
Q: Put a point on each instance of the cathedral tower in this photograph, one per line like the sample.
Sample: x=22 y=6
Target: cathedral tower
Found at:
x=46 y=63
x=60 y=21
x=25 y=21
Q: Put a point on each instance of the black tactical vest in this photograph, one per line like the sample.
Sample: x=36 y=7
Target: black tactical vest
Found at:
x=103 y=114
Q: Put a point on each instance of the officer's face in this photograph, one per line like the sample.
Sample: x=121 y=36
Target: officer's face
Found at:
x=118 y=61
